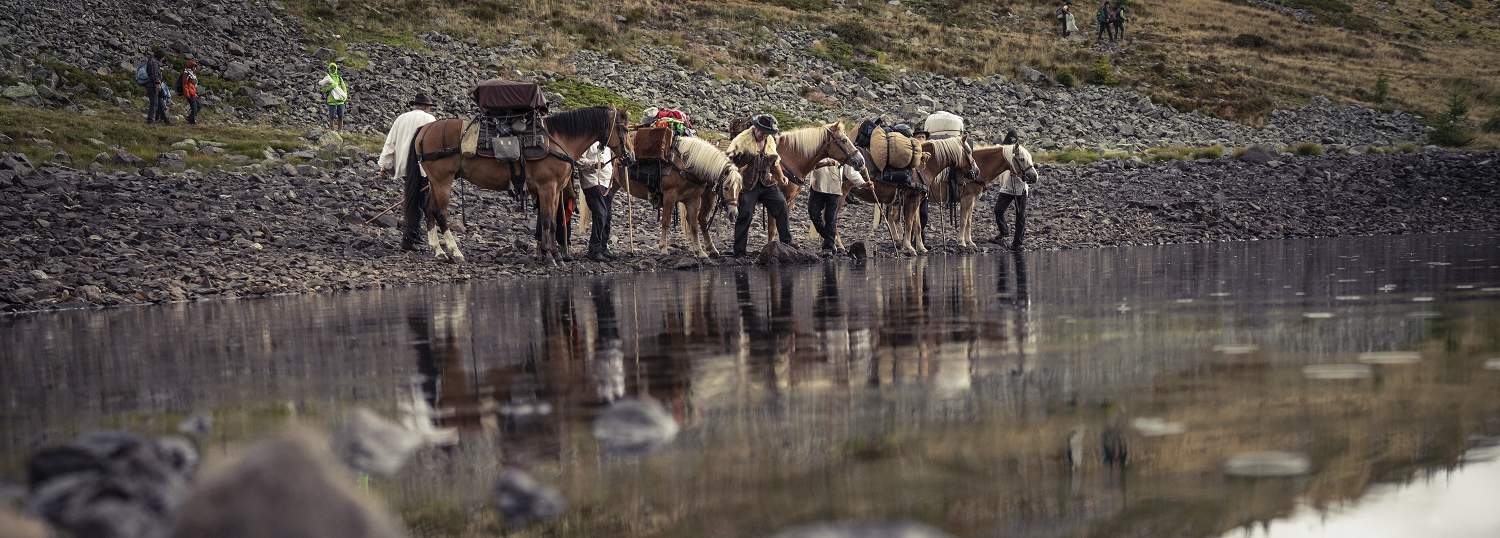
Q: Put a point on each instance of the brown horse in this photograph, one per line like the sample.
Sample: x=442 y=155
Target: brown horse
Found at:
x=568 y=134
x=801 y=150
x=991 y=161
x=953 y=154
x=698 y=172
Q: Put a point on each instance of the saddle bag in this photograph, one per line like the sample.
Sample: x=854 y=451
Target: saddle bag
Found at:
x=507 y=148
x=654 y=143
x=896 y=177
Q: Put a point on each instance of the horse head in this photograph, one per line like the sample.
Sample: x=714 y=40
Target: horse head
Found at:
x=729 y=193
x=616 y=139
x=1023 y=165
x=970 y=165
x=847 y=152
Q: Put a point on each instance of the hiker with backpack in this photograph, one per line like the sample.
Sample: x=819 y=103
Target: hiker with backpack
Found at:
x=187 y=87
x=148 y=75
x=337 y=93
x=1118 y=20
x=1103 y=19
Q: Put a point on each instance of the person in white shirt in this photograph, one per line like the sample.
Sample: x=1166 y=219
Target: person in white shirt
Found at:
x=827 y=183
x=1012 y=189
x=396 y=158
x=598 y=175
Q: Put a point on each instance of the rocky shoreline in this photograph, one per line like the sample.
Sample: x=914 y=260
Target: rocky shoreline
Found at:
x=80 y=239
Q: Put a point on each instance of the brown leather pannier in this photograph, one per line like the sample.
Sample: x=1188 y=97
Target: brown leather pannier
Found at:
x=506 y=95
x=654 y=143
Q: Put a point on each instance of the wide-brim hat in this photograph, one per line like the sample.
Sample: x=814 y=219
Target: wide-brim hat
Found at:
x=422 y=99
x=765 y=122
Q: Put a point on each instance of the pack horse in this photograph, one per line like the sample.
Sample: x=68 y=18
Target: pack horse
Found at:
x=514 y=144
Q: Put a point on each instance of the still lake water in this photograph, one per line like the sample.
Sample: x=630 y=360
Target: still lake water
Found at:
x=943 y=390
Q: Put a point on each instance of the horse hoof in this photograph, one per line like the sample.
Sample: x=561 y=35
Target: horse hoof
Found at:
x=456 y=259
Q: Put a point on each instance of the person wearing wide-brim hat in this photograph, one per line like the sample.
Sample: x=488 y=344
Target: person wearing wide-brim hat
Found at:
x=754 y=152
x=396 y=157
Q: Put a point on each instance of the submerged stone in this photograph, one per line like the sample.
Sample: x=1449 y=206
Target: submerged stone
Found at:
x=1390 y=357
x=1424 y=314
x=1267 y=464
x=521 y=498
x=1331 y=372
x=1318 y=315
x=288 y=486
x=635 y=427
x=112 y=484
x=1492 y=364
x=901 y=529
x=1422 y=299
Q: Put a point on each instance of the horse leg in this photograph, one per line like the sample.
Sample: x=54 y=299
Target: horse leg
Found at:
x=692 y=208
x=668 y=206
x=966 y=217
x=437 y=222
x=450 y=239
x=912 y=220
x=546 y=200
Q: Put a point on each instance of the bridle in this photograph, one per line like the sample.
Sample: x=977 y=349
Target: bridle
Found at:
x=850 y=153
x=1011 y=162
x=617 y=129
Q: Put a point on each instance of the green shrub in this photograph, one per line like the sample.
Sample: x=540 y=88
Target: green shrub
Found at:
x=785 y=120
x=579 y=94
x=1408 y=148
x=1308 y=149
x=1212 y=152
x=1451 y=128
x=1493 y=125
x=1066 y=79
x=1382 y=89
x=1249 y=41
x=802 y=5
x=1101 y=74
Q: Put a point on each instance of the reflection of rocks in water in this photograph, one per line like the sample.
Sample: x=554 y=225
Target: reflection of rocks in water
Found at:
x=287 y=486
x=111 y=484
x=1390 y=357
x=635 y=427
x=1157 y=427
x=1335 y=372
x=521 y=498
x=863 y=530
x=1267 y=464
x=1492 y=364
x=372 y=444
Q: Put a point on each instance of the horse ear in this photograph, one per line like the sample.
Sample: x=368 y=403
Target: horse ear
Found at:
x=837 y=127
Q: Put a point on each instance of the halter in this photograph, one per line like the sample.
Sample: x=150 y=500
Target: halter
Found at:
x=1011 y=162
x=828 y=140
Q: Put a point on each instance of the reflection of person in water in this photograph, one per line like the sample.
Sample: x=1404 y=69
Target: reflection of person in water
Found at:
x=831 y=323
x=772 y=339
x=1017 y=291
x=609 y=357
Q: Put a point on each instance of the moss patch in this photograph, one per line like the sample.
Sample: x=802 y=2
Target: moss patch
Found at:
x=580 y=94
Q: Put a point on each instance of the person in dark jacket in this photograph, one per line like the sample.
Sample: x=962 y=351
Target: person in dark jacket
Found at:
x=1118 y=21
x=155 y=109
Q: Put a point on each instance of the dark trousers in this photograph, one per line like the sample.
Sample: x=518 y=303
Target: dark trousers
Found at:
x=1118 y=30
x=194 y=105
x=1000 y=205
x=156 y=110
x=775 y=203
x=601 y=205
x=416 y=203
x=823 y=209
x=1105 y=31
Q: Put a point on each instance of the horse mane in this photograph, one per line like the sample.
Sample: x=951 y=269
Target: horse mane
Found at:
x=803 y=141
x=582 y=122
x=947 y=151
x=702 y=159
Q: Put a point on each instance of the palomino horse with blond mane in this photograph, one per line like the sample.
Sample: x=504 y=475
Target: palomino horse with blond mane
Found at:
x=991 y=162
x=954 y=155
x=698 y=174
x=800 y=151
x=569 y=134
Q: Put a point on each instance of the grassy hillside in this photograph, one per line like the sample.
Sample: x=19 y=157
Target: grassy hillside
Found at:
x=1232 y=58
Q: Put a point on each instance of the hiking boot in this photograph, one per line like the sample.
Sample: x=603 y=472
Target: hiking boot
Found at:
x=410 y=246
x=598 y=256
x=998 y=240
